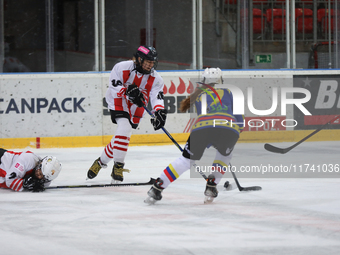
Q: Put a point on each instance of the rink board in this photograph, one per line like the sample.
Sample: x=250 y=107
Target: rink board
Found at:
x=69 y=109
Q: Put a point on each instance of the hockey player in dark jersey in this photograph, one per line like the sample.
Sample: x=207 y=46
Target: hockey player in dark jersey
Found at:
x=216 y=126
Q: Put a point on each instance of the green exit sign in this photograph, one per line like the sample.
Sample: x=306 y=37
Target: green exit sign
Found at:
x=263 y=58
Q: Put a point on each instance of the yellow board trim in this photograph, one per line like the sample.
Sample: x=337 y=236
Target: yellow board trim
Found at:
x=163 y=139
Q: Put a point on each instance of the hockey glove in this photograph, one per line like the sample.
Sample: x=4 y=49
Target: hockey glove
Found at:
x=159 y=120
x=134 y=95
x=31 y=183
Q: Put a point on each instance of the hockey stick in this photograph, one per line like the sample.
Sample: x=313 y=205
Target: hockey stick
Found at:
x=275 y=149
x=152 y=181
x=240 y=188
x=165 y=131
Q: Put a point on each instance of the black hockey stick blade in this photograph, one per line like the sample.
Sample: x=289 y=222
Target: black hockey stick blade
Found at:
x=275 y=149
x=151 y=182
x=251 y=188
x=240 y=188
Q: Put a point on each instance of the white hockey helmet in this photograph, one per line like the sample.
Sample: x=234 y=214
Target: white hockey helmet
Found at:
x=212 y=75
x=50 y=167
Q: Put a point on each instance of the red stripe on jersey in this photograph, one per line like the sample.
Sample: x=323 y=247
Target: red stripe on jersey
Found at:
x=2 y=173
x=15 y=153
x=126 y=74
x=149 y=84
x=18 y=186
x=119 y=148
x=118 y=104
x=137 y=80
x=138 y=115
x=13 y=183
x=17 y=183
x=158 y=107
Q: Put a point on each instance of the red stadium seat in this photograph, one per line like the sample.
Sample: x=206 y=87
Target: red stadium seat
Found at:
x=323 y=19
x=304 y=20
x=276 y=19
x=258 y=21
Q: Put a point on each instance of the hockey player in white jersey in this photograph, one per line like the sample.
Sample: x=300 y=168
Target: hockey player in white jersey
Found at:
x=133 y=84
x=21 y=171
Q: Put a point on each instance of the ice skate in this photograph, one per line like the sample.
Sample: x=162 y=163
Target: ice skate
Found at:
x=210 y=190
x=95 y=168
x=155 y=193
x=117 y=173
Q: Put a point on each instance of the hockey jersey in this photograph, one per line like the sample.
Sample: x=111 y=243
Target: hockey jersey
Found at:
x=218 y=111
x=14 y=167
x=151 y=85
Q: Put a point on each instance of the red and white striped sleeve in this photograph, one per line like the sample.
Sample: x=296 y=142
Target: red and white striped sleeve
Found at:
x=156 y=93
x=15 y=184
x=21 y=167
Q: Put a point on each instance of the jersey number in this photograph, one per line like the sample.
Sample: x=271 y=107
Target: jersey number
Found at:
x=160 y=95
x=116 y=83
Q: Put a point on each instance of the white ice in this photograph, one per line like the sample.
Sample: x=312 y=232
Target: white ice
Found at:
x=288 y=216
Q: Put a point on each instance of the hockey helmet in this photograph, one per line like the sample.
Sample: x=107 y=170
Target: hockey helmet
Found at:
x=146 y=53
x=50 y=167
x=212 y=75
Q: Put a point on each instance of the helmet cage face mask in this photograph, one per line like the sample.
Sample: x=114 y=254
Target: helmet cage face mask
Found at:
x=146 y=53
x=38 y=169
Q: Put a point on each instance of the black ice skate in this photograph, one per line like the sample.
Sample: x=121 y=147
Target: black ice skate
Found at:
x=210 y=189
x=95 y=168
x=155 y=193
x=117 y=172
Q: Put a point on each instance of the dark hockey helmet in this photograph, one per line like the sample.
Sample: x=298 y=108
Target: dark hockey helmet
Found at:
x=148 y=53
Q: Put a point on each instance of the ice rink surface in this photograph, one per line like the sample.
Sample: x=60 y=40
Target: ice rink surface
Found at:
x=288 y=216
